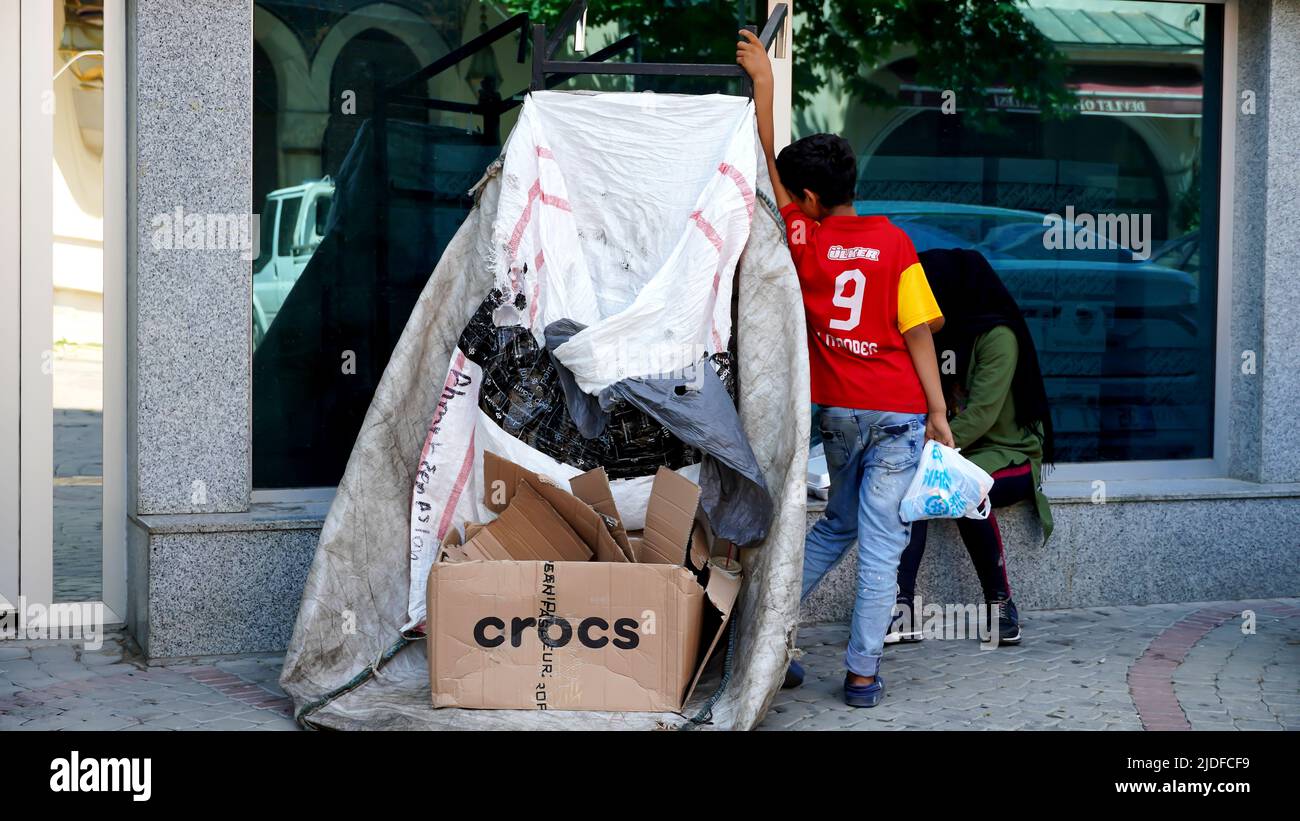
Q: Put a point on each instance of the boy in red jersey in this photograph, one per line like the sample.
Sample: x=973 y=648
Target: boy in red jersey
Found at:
x=870 y=316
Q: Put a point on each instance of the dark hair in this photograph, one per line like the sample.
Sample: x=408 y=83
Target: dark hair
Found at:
x=974 y=300
x=822 y=163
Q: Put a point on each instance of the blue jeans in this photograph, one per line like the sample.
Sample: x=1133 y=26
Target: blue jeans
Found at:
x=871 y=456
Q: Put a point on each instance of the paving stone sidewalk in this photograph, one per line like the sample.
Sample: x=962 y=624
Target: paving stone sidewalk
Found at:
x=1167 y=666
x=1171 y=666
x=47 y=685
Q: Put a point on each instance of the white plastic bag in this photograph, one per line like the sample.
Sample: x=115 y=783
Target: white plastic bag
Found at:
x=947 y=485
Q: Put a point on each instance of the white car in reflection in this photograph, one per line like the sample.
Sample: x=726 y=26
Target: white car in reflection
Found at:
x=293 y=224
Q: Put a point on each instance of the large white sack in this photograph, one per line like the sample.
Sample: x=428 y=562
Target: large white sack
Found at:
x=355 y=601
x=637 y=239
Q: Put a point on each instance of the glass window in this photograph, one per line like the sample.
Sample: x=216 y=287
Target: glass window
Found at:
x=318 y=218
x=370 y=183
x=266 y=230
x=286 y=240
x=76 y=365
x=381 y=175
x=1100 y=220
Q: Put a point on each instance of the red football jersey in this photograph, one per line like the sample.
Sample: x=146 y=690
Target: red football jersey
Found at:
x=862 y=288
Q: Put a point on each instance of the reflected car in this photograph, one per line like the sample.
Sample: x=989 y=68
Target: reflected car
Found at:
x=292 y=226
x=1117 y=335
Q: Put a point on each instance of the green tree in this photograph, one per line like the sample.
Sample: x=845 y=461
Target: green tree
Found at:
x=965 y=46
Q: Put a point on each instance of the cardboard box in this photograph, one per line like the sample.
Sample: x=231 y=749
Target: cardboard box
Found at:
x=630 y=629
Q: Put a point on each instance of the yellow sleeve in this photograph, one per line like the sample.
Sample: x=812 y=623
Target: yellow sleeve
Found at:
x=915 y=300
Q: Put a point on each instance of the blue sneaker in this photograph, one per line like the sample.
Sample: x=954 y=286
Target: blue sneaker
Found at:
x=793 y=676
x=864 y=695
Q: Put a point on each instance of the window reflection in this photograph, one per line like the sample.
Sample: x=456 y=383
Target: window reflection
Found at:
x=358 y=198
x=1124 y=330
x=78 y=301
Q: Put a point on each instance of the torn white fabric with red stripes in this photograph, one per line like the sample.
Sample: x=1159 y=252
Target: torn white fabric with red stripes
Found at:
x=627 y=213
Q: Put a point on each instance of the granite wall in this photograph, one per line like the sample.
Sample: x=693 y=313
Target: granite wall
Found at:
x=210 y=571
x=190 y=150
x=1141 y=551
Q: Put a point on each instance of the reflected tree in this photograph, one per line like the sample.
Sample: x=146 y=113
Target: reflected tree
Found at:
x=965 y=46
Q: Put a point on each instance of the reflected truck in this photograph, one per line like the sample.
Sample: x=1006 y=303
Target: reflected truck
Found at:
x=293 y=223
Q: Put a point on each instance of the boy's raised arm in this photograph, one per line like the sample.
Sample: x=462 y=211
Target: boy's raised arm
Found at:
x=752 y=57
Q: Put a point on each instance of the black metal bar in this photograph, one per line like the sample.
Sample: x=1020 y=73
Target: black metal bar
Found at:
x=567 y=21
x=423 y=194
x=773 y=26
x=489 y=100
x=621 y=44
x=504 y=105
x=747 y=85
x=380 y=135
x=544 y=47
x=539 y=49
x=451 y=58
x=454 y=106
x=632 y=40
x=522 y=53
x=652 y=69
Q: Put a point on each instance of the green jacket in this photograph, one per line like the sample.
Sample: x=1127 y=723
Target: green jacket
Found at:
x=985 y=425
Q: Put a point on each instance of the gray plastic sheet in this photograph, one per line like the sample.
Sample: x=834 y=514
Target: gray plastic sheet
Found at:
x=340 y=669
x=696 y=408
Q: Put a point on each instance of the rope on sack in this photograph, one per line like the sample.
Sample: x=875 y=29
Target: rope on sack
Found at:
x=371 y=671
x=772 y=211
x=705 y=715
x=493 y=169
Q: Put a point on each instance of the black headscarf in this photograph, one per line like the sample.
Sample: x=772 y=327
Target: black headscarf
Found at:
x=974 y=300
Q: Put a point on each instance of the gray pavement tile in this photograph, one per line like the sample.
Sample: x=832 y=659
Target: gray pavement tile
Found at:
x=66 y=671
x=281 y=724
x=54 y=652
x=1257 y=724
x=228 y=723
x=173 y=722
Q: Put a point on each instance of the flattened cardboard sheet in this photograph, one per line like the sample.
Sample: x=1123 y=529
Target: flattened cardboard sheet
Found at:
x=669 y=518
x=501 y=478
x=528 y=529
x=593 y=488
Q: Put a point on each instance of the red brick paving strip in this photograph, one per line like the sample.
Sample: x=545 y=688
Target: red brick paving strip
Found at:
x=1150 y=679
x=238 y=689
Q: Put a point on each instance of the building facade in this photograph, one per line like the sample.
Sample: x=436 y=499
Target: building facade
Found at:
x=201 y=298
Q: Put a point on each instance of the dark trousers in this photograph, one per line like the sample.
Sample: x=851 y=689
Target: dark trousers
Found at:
x=982 y=538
